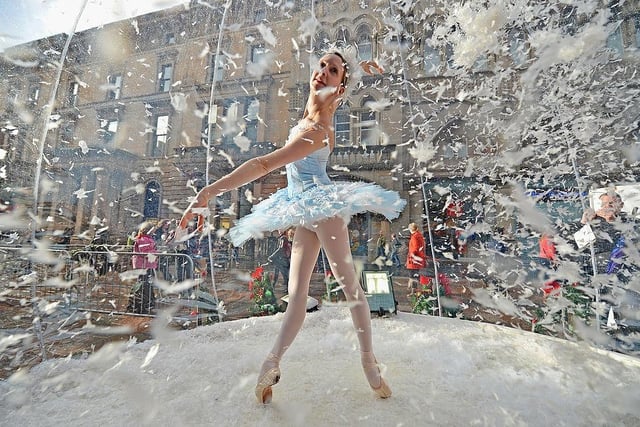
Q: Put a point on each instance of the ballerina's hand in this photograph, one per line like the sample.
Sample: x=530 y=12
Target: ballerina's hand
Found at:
x=366 y=66
x=190 y=213
x=182 y=231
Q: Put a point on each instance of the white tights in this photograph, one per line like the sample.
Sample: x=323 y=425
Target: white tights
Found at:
x=332 y=234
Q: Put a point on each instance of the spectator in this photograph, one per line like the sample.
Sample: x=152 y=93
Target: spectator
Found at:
x=396 y=244
x=548 y=258
x=131 y=238
x=142 y=299
x=547 y=250
x=161 y=235
x=281 y=258
x=416 y=257
x=381 y=246
x=66 y=236
x=355 y=242
x=614 y=237
x=234 y=255
x=608 y=224
x=189 y=249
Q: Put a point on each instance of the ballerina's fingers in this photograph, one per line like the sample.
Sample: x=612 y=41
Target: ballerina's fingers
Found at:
x=366 y=66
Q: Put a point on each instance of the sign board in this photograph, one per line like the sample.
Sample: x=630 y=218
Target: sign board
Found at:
x=379 y=291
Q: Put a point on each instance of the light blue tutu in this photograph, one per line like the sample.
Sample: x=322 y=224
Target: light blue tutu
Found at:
x=343 y=199
x=311 y=196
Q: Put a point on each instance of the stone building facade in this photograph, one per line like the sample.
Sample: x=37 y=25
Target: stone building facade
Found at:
x=132 y=111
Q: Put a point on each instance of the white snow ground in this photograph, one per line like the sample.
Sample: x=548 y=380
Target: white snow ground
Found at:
x=443 y=372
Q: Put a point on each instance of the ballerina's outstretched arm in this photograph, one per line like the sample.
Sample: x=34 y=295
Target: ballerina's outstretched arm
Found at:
x=301 y=146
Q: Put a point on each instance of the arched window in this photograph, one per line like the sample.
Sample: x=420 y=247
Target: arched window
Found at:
x=363 y=41
x=152 y=200
x=342 y=125
x=342 y=37
x=321 y=44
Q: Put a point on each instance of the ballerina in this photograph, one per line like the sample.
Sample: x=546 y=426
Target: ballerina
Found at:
x=318 y=208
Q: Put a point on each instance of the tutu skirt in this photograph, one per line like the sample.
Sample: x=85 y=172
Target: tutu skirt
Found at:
x=343 y=199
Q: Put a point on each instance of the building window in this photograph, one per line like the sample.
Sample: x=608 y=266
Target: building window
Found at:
x=450 y=140
x=251 y=120
x=151 y=200
x=365 y=47
x=456 y=149
x=204 y=127
x=164 y=77
x=114 y=84
x=260 y=15
x=257 y=53
x=67 y=130
x=614 y=42
x=72 y=94
x=216 y=67
x=108 y=130
x=568 y=19
x=160 y=136
x=481 y=63
x=449 y=53
x=432 y=58
x=342 y=125
x=170 y=38
x=34 y=94
x=367 y=124
x=4 y=140
x=367 y=128
x=230 y=128
x=342 y=37
x=636 y=24
x=517 y=48
x=321 y=44
x=7 y=144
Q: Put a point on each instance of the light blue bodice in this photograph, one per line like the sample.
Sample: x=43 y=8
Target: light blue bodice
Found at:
x=309 y=171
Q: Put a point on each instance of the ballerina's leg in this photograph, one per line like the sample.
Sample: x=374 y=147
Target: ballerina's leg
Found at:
x=304 y=254
x=334 y=238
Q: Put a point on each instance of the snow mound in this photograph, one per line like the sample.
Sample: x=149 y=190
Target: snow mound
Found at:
x=441 y=371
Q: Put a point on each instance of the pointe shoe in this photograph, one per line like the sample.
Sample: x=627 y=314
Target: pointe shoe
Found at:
x=383 y=391
x=268 y=379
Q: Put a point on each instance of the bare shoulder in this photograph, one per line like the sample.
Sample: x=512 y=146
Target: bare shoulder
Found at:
x=313 y=135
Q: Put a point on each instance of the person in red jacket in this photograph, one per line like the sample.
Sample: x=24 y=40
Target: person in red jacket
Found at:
x=416 y=256
x=547 y=250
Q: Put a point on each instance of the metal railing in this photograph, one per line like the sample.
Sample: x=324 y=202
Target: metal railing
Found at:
x=104 y=281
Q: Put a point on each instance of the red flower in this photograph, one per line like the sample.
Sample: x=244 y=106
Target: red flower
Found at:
x=551 y=287
x=257 y=273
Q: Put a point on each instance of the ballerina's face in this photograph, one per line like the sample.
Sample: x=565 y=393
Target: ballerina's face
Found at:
x=329 y=74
